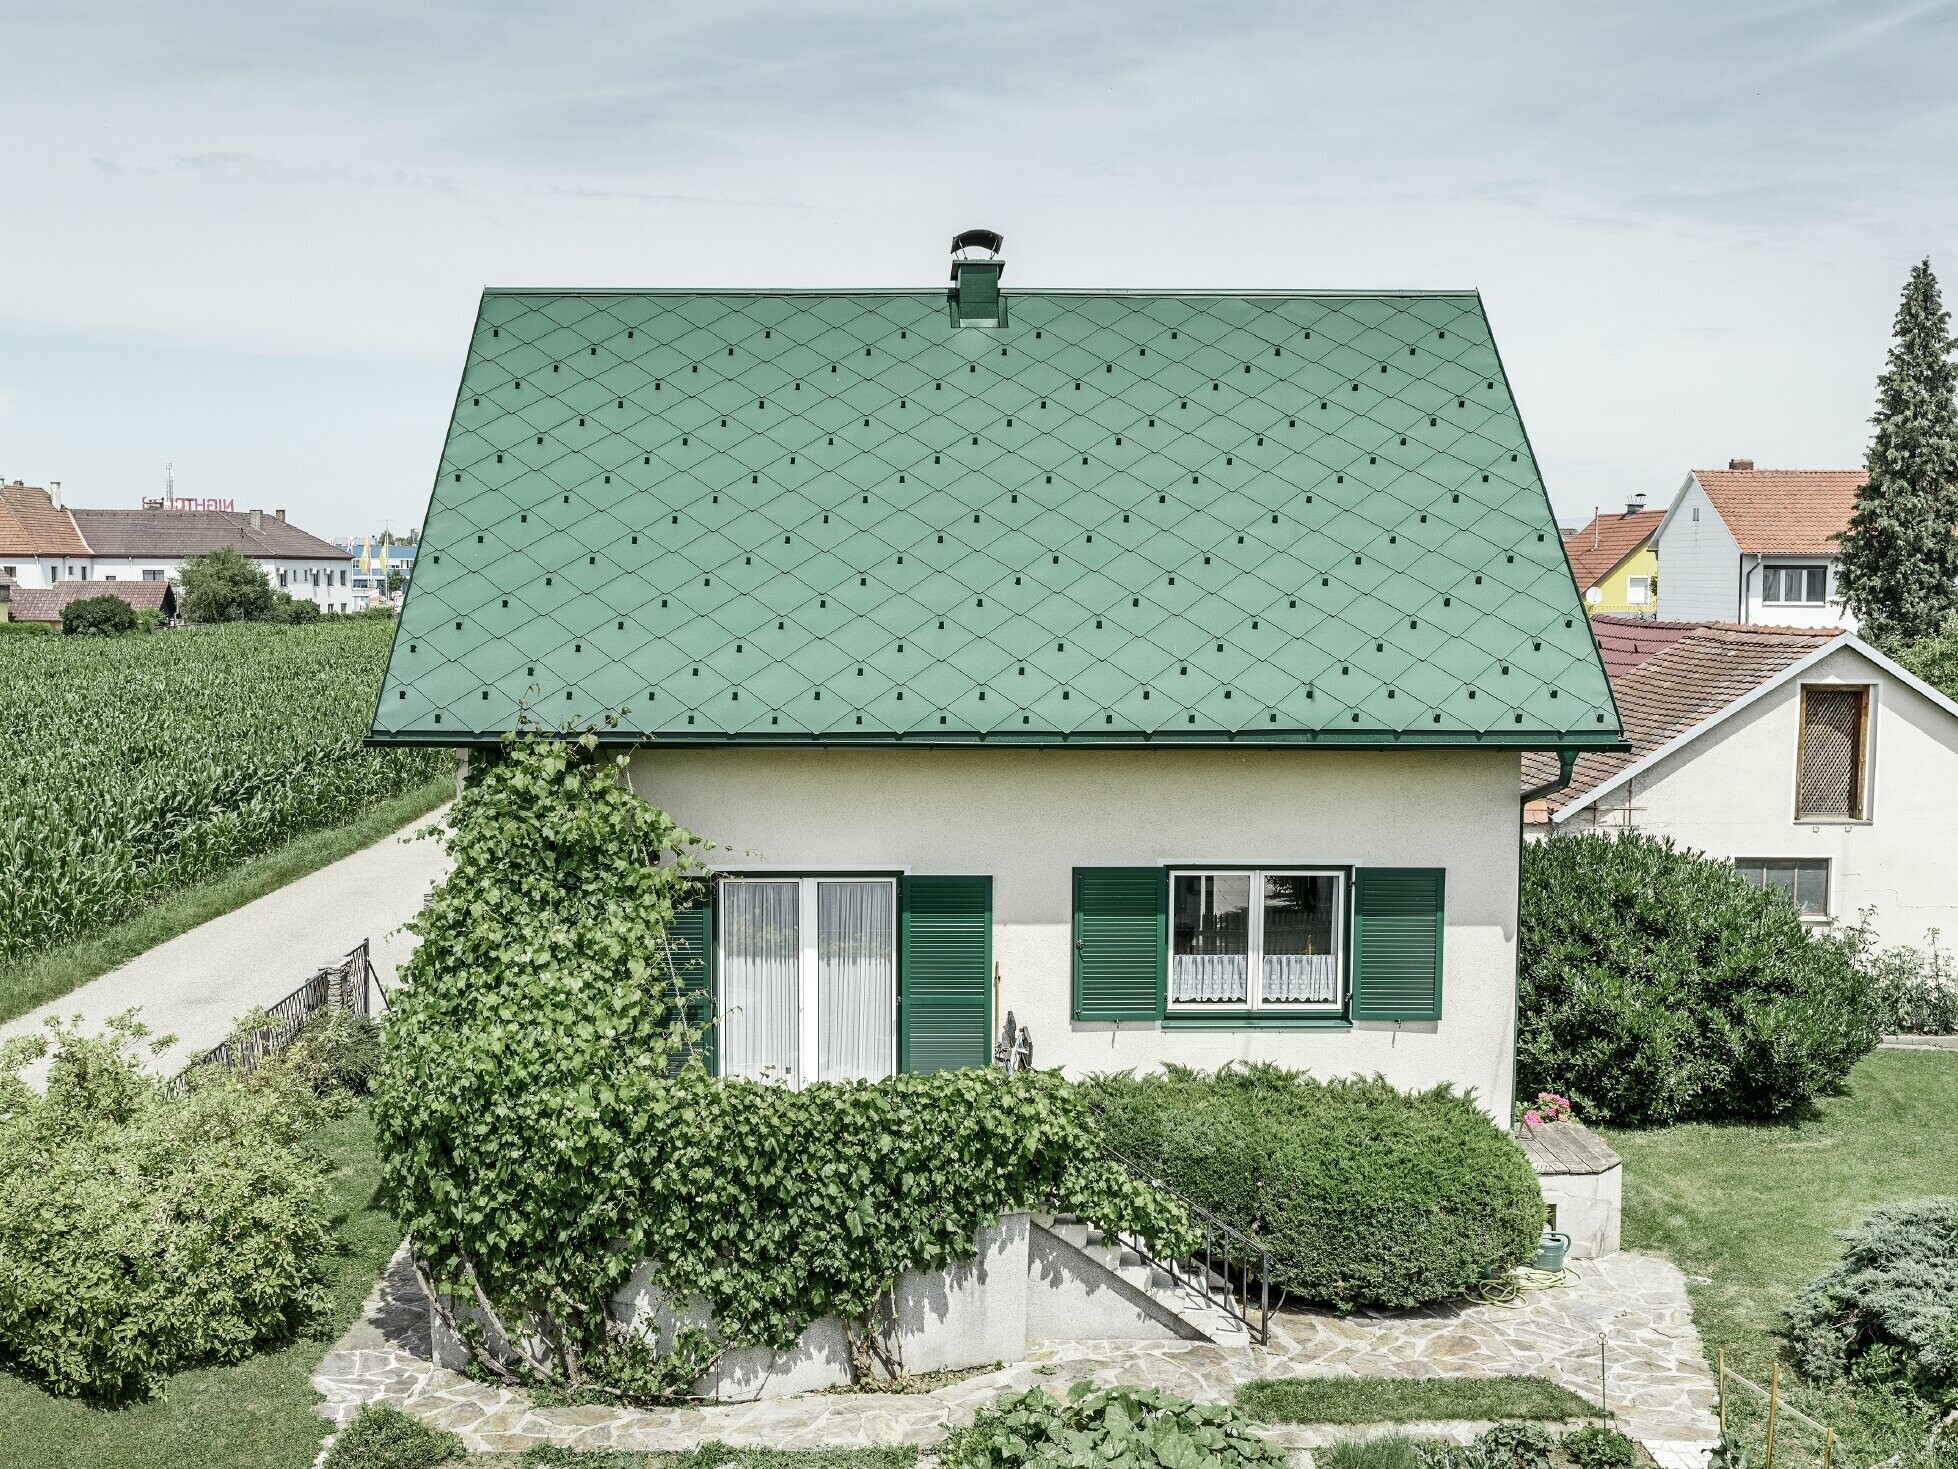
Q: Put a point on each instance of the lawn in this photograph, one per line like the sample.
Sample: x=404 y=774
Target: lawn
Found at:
x=256 y=1414
x=1748 y=1213
x=1408 y=1400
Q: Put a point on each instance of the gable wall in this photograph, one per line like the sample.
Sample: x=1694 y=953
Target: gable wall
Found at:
x=1699 y=562
x=1029 y=817
x=1732 y=794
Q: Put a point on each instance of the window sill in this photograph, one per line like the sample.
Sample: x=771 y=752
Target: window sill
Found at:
x=1833 y=820
x=1250 y=1020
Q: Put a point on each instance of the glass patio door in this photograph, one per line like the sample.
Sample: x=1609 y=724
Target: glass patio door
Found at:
x=808 y=979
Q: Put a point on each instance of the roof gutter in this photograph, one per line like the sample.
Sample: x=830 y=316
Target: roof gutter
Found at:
x=1566 y=767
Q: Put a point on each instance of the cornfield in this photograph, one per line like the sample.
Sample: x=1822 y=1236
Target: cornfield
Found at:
x=131 y=767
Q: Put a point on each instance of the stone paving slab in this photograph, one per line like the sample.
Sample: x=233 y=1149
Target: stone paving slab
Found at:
x=1655 y=1374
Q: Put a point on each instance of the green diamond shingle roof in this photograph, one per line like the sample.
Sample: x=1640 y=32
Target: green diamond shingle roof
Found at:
x=807 y=517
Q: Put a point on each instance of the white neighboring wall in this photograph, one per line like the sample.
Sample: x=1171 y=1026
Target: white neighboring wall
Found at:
x=1731 y=794
x=329 y=583
x=1699 y=560
x=1830 y=612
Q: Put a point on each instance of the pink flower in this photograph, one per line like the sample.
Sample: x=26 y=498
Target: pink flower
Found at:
x=1533 y=1117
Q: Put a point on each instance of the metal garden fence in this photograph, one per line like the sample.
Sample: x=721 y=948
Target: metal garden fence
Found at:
x=349 y=985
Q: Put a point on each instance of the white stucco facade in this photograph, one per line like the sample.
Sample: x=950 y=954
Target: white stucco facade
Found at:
x=1029 y=817
x=1730 y=792
x=327 y=582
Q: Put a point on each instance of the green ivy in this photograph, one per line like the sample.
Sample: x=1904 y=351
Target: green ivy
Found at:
x=541 y=1135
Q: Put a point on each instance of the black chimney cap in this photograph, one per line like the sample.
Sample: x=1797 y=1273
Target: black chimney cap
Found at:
x=980 y=239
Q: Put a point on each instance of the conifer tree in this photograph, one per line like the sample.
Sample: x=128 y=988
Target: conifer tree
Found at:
x=1899 y=567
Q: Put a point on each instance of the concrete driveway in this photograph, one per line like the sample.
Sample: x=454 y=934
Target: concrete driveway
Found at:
x=197 y=984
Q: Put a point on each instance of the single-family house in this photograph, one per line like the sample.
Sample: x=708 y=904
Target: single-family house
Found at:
x=1803 y=756
x=1750 y=545
x=1153 y=666
x=45 y=604
x=1613 y=563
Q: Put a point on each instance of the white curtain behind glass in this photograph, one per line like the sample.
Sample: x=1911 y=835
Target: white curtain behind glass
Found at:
x=760 y=954
x=855 y=978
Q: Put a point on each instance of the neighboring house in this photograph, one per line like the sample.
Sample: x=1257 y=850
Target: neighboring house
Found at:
x=44 y=542
x=1153 y=666
x=1613 y=563
x=45 y=604
x=1750 y=545
x=1805 y=757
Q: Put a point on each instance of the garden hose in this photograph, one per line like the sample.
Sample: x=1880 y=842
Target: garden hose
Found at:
x=1508 y=1290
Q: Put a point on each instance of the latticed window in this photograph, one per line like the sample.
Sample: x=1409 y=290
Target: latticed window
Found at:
x=1829 y=779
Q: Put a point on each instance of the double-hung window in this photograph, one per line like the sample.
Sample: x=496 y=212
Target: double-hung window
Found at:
x=1256 y=939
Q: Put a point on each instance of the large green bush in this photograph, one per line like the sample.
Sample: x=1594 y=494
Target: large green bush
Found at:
x=1889 y=1307
x=139 y=1233
x=1109 y=1428
x=540 y=1136
x=102 y=617
x=1659 y=986
x=1364 y=1195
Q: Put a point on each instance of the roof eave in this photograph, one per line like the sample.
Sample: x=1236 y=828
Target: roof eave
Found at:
x=1521 y=740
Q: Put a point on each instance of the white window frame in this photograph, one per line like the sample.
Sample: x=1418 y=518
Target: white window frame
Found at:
x=808 y=1013
x=1254 y=952
x=1828 y=881
x=1638 y=591
x=1768 y=568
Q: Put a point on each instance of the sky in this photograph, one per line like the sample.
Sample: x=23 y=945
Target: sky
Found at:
x=247 y=239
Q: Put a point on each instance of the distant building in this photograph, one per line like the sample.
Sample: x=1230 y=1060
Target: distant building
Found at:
x=1750 y=545
x=1612 y=558
x=44 y=543
x=45 y=604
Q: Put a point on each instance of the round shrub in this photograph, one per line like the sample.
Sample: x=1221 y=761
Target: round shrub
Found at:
x=102 y=617
x=1891 y=1299
x=1364 y=1195
x=381 y=1436
x=141 y=1234
x=1658 y=986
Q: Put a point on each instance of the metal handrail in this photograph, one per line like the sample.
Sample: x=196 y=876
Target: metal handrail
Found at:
x=1223 y=1244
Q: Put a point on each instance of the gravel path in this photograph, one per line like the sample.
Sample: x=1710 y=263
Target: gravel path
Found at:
x=197 y=984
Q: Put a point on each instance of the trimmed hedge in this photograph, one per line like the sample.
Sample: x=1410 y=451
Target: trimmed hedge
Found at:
x=1658 y=986
x=1364 y=1195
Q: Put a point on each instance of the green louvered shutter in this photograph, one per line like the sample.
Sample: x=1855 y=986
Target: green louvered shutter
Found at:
x=1120 y=941
x=946 y=968
x=691 y=938
x=1397 y=926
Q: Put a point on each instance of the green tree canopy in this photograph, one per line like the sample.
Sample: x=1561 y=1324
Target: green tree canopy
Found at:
x=223 y=586
x=102 y=617
x=1899 y=561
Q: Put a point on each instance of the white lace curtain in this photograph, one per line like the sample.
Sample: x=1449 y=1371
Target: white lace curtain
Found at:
x=760 y=959
x=856 y=980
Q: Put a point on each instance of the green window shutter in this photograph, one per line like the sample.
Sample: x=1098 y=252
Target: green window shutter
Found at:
x=691 y=938
x=945 y=961
x=1121 y=928
x=1397 y=926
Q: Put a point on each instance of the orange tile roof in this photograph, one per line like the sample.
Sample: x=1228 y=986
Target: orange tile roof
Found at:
x=1606 y=541
x=1672 y=690
x=1783 y=511
x=31 y=524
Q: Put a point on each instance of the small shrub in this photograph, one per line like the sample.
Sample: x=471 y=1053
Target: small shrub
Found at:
x=1915 y=990
x=100 y=617
x=383 y=1437
x=1110 y=1428
x=141 y=1234
x=1597 y=1447
x=1657 y=986
x=1364 y=1195
x=1516 y=1446
x=1889 y=1307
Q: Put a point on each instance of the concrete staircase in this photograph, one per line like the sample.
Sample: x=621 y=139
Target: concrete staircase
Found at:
x=1131 y=1287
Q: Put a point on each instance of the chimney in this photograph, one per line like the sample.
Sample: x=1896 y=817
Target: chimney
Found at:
x=280 y=513
x=1740 y=464
x=257 y=516
x=54 y=493
x=1635 y=504
x=975 y=296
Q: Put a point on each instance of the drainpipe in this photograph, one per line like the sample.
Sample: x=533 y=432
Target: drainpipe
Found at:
x=1566 y=764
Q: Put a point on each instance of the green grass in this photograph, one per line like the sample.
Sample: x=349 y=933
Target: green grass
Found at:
x=49 y=976
x=1408 y=1399
x=1748 y=1212
x=255 y=1414
x=1391 y=1452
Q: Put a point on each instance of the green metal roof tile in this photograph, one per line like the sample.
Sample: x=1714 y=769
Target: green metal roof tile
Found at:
x=715 y=507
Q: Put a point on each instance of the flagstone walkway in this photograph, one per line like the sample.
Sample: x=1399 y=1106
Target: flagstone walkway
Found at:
x=1631 y=1308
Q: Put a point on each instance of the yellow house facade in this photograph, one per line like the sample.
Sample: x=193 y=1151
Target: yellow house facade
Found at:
x=1614 y=563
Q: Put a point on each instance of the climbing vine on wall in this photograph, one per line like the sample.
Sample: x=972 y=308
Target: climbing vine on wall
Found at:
x=541 y=1137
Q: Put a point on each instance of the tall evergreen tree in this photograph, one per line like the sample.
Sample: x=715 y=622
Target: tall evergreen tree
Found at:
x=1899 y=560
